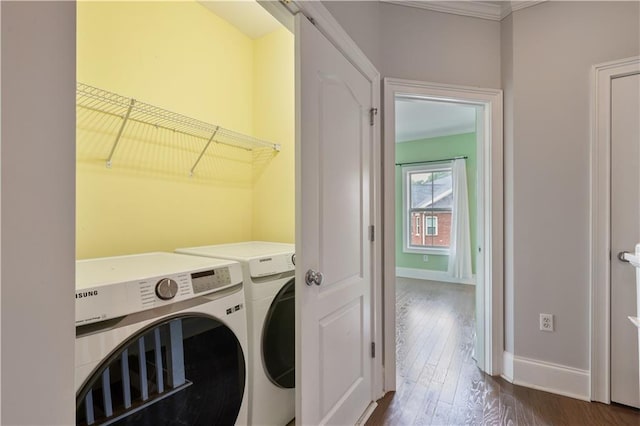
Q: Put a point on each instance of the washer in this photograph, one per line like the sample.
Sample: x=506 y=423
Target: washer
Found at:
x=161 y=338
x=269 y=279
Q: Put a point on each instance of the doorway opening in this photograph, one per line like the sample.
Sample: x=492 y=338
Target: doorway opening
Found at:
x=437 y=227
x=444 y=230
x=436 y=224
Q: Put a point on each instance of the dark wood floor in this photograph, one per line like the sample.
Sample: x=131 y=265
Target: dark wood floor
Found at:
x=439 y=384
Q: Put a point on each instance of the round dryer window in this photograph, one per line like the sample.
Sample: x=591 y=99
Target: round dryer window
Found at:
x=186 y=370
x=278 y=338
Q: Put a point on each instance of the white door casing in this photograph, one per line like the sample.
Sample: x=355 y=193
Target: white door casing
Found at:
x=479 y=251
x=600 y=241
x=333 y=212
x=625 y=234
x=492 y=216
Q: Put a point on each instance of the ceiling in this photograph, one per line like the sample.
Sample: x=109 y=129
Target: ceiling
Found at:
x=492 y=10
x=246 y=15
x=422 y=119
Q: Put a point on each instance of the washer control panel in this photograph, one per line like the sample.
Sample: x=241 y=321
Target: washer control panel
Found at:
x=116 y=299
x=210 y=280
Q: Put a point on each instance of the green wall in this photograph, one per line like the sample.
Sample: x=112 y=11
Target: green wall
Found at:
x=435 y=149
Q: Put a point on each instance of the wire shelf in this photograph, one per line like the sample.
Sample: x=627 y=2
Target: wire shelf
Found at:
x=130 y=110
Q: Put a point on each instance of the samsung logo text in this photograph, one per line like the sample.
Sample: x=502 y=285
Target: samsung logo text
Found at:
x=84 y=294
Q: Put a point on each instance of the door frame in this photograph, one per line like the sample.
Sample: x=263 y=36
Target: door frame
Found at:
x=331 y=29
x=493 y=236
x=600 y=221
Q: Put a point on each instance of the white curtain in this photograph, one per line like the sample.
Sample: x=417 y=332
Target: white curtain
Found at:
x=460 y=247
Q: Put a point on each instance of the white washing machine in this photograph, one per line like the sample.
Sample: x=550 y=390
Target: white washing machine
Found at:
x=269 y=277
x=161 y=338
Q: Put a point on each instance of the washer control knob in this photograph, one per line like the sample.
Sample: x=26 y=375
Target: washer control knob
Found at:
x=166 y=289
x=293 y=259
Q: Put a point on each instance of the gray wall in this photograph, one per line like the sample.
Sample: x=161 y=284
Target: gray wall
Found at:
x=554 y=46
x=37 y=216
x=415 y=44
x=439 y=47
x=361 y=20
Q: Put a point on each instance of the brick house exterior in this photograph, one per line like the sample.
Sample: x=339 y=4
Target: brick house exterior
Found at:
x=431 y=200
x=442 y=238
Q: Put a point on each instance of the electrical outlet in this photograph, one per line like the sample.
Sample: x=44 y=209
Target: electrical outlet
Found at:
x=425 y=258
x=546 y=322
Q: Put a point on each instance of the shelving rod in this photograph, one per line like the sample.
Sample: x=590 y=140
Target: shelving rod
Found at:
x=124 y=123
x=203 y=151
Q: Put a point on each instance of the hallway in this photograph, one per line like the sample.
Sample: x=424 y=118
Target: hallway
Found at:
x=439 y=384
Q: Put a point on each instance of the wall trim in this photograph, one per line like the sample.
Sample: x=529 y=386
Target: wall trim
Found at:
x=511 y=6
x=546 y=376
x=600 y=229
x=475 y=9
x=367 y=414
x=507 y=366
x=431 y=275
x=554 y=378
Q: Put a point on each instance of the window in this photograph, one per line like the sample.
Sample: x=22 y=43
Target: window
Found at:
x=427 y=207
x=431 y=225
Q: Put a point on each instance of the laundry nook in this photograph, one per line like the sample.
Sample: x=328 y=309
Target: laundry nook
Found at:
x=184 y=138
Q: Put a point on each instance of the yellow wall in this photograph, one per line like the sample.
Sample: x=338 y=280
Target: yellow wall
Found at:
x=274 y=119
x=181 y=57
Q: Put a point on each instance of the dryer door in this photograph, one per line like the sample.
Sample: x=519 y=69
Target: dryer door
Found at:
x=278 y=338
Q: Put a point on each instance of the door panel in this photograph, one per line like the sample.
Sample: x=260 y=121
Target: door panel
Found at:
x=333 y=212
x=340 y=179
x=332 y=333
x=625 y=234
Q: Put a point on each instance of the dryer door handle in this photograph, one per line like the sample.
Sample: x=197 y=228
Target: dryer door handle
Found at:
x=313 y=277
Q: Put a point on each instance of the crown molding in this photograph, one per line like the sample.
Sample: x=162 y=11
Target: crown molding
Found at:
x=476 y=9
x=511 y=6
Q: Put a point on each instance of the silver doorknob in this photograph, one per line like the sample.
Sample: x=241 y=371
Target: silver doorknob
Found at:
x=621 y=256
x=313 y=277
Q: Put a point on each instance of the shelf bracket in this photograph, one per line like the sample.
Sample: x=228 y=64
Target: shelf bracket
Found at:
x=203 y=151
x=124 y=123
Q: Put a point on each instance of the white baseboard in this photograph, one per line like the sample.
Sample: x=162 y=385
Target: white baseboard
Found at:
x=546 y=376
x=426 y=274
x=367 y=413
x=507 y=366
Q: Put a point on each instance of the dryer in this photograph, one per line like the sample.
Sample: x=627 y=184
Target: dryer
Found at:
x=161 y=338
x=269 y=278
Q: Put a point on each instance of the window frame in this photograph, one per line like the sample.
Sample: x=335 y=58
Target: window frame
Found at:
x=434 y=222
x=407 y=171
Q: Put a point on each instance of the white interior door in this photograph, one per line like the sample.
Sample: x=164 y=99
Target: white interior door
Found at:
x=333 y=213
x=625 y=234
